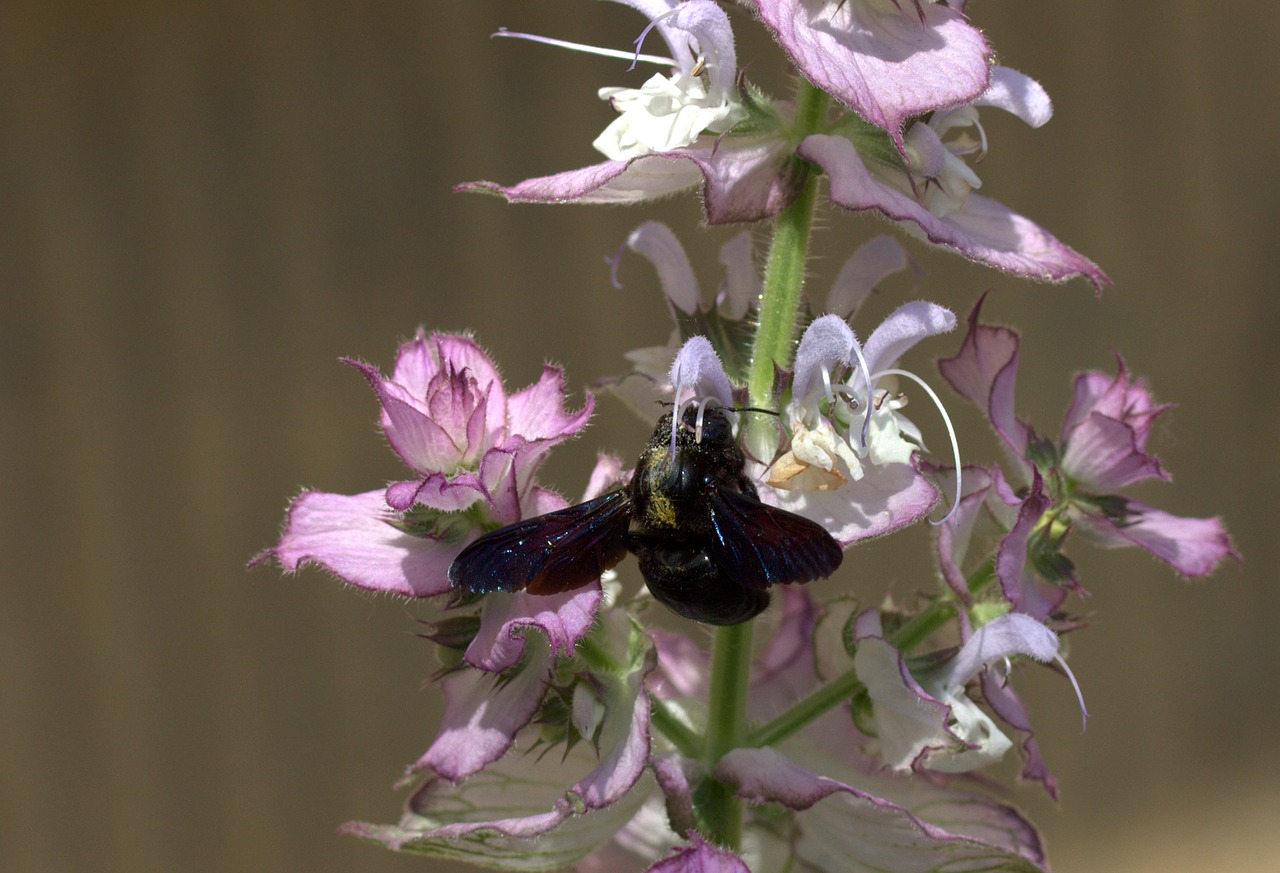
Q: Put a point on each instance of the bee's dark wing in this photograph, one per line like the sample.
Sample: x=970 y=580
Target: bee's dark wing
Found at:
x=759 y=545
x=550 y=553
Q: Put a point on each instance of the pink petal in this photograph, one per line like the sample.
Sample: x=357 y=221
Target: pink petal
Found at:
x=607 y=474
x=463 y=356
x=700 y=857
x=743 y=180
x=422 y=443
x=1104 y=455
x=636 y=181
x=538 y=413
x=1024 y=590
x=1192 y=546
x=482 y=716
x=417 y=363
x=563 y=619
x=885 y=65
x=353 y=538
x=984 y=372
x=1116 y=397
x=982 y=230
x=495 y=482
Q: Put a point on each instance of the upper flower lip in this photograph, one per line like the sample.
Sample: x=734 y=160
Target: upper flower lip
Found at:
x=885 y=61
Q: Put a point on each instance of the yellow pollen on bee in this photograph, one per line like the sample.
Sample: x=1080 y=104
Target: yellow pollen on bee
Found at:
x=661 y=512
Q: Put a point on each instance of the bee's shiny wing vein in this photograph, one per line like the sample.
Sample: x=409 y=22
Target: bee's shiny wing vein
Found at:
x=760 y=545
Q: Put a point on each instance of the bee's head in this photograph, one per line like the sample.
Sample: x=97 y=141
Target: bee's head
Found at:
x=707 y=421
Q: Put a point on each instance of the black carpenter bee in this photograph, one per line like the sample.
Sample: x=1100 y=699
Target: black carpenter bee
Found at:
x=708 y=548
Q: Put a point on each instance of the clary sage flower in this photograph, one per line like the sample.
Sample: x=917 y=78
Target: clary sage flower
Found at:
x=475 y=450
x=930 y=187
x=677 y=131
x=1101 y=447
x=849 y=461
x=929 y=722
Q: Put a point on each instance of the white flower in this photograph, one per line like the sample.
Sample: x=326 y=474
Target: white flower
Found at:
x=662 y=115
x=929 y=721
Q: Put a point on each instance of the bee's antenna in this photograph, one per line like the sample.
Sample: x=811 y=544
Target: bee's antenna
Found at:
x=753 y=409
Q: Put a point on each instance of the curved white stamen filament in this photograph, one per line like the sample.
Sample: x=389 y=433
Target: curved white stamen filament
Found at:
x=639 y=40
x=633 y=56
x=677 y=415
x=1084 y=713
x=827 y=392
x=614 y=262
x=951 y=433
x=982 y=137
x=697 y=422
x=871 y=388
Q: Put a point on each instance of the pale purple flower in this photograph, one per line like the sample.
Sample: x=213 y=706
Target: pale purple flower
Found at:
x=872 y=263
x=989 y=508
x=852 y=472
x=671 y=133
x=698 y=376
x=731 y=301
x=930 y=190
x=928 y=721
x=723 y=312
x=885 y=60
x=1102 y=446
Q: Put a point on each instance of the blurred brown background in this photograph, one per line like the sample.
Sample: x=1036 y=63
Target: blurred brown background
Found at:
x=203 y=205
